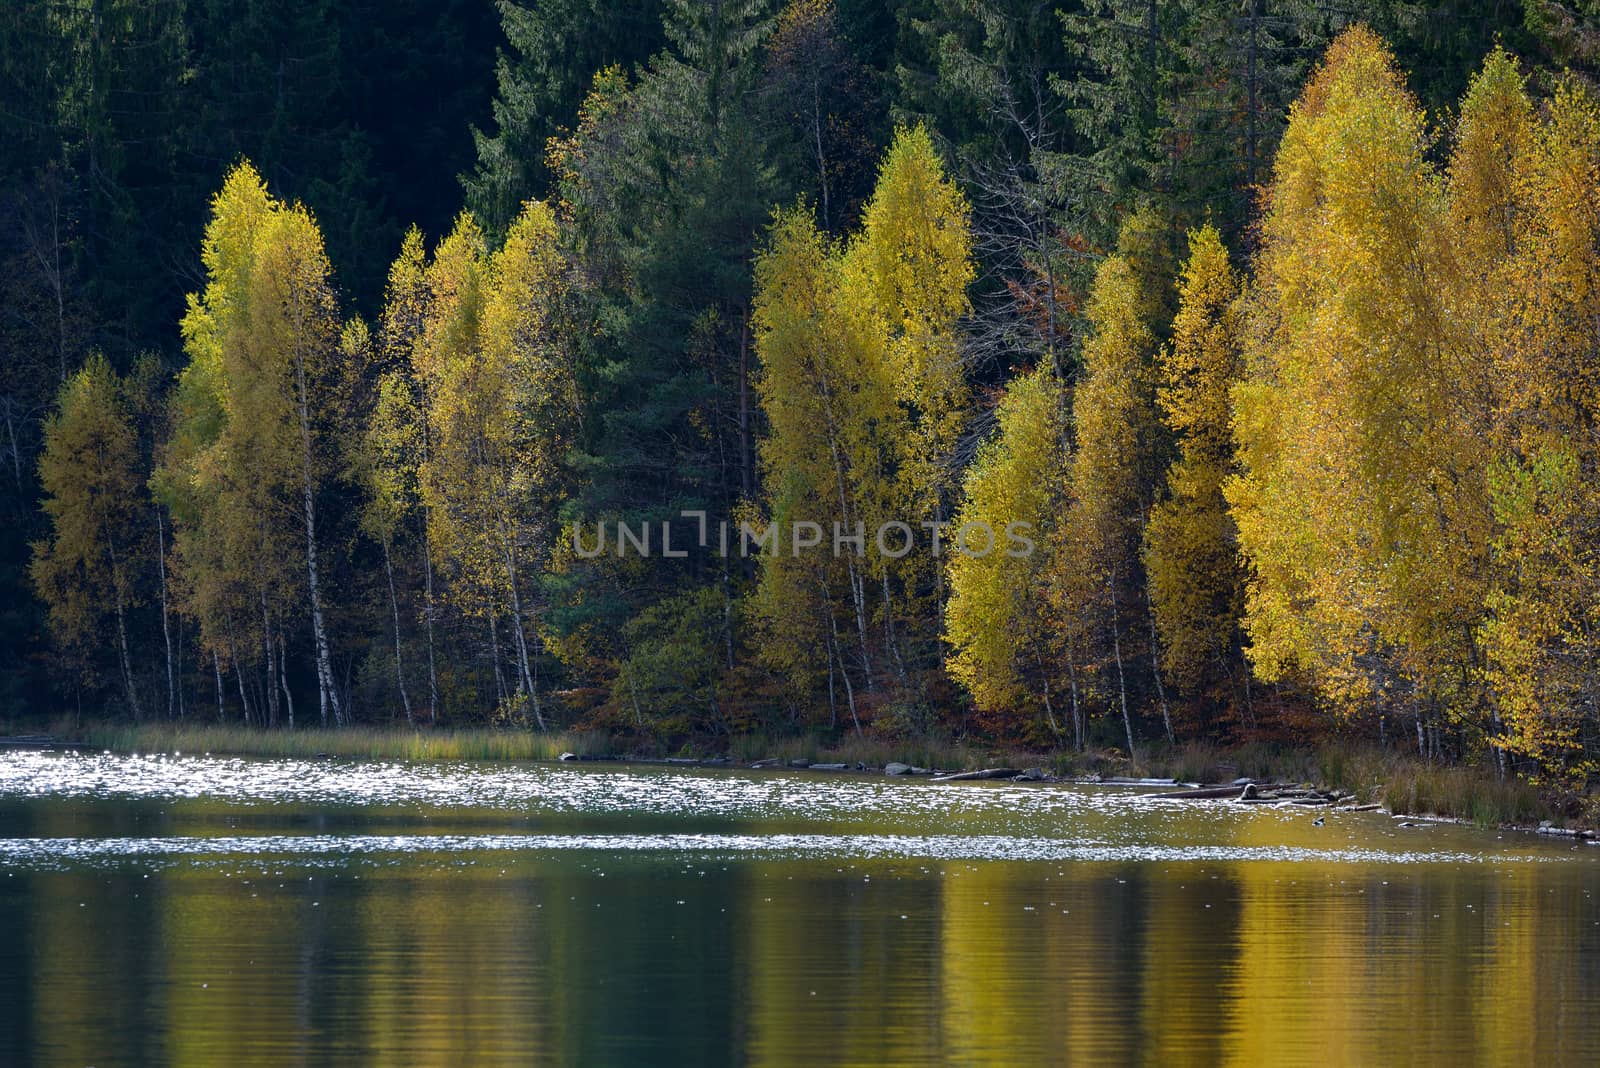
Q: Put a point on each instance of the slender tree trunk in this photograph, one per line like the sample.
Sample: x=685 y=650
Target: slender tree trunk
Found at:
x=524 y=661
x=427 y=615
x=283 y=678
x=833 y=696
x=1249 y=696
x=888 y=628
x=494 y=653
x=849 y=691
x=822 y=159
x=216 y=665
x=327 y=690
x=394 y=608
x=238 y=672
x=1155 y=669
x=1122 y=681
x=166 y=628
x=127 y=661
x=858 y=594
x=1049 y=709
x=122 y=631
x=269 y=647
x=1077 y=711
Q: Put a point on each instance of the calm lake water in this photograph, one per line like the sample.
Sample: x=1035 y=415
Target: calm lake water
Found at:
x=198 y=911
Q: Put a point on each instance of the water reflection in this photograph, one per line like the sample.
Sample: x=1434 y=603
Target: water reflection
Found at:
x=626 y=917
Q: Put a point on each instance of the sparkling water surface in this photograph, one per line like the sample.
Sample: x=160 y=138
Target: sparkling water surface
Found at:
x=207 y=910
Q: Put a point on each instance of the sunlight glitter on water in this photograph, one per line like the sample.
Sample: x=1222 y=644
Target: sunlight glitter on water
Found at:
x=50 y=852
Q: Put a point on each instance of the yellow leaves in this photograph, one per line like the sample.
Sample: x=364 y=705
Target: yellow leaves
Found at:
x=92 y=494
x=1194 y=574
x=861 y=381
x=1362 y=456
x=994 y=620
x=1114 y=413
x=483 y=380
x=914 y=258
x=1493 y=137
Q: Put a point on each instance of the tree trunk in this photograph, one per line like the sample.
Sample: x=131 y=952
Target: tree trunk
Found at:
x=822 y=159
x=238 y=672
x=127 y=661
x=494 y=654
x=283 y=678
x=849 y=690
x=327 y=691
x=1122 y=681
x=216 y=665
x=427 y=615
x=270 y=691
x=122 y=630
x=1049 y=709
x=888 y=628
x=394 y=608
x=1077 y=712
x=524 y=662
x=166 y=628
x=1155 y=669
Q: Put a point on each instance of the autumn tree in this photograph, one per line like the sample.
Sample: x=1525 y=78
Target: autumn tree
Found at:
x=1190 y=545
x=824 y=385
x=1540 y=631
x=907 y=274
x=1112 y=477
x=996 y=622
x=1362 y=502
x=256 y=446
x=86 y=569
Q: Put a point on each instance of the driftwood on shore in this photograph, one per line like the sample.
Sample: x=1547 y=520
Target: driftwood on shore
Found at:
x=986 y=773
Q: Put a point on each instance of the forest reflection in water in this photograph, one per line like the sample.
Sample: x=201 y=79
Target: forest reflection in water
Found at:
x=163 y=924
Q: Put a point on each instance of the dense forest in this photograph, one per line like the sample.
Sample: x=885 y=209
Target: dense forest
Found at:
x=337 y=336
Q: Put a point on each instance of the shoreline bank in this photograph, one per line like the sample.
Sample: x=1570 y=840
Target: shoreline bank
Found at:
x=1342 y=774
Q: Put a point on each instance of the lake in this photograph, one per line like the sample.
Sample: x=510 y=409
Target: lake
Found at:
x=208 y=911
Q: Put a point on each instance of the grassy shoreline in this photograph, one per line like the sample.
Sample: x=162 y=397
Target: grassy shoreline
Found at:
x=1400 y=782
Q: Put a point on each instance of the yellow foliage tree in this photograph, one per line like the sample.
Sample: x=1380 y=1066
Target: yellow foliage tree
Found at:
x=261 y=406
x=1190 y=552
x=995 y=622
x=1541 y=636
x=93 y=494
x=1362 y=498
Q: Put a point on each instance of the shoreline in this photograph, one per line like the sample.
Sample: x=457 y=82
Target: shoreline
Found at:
x=1336 y=775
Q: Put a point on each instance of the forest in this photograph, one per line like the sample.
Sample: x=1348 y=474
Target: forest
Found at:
x=332 y=330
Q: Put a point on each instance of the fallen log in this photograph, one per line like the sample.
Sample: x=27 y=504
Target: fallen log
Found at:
x=987 y=773
x=1201 y=793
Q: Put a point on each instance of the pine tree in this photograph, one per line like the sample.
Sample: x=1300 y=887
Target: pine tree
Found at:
x=555 y=50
